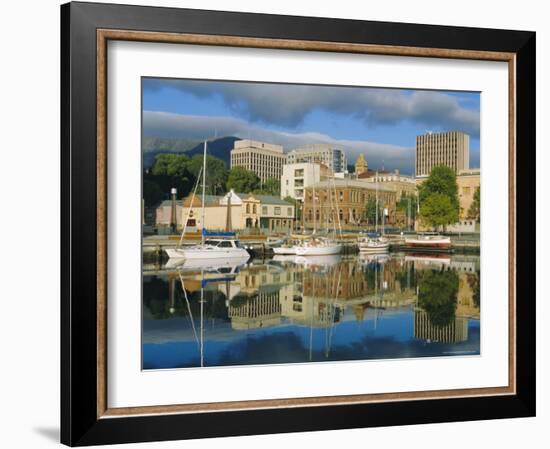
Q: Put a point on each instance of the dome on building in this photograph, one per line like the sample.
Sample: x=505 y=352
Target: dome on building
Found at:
x=361 y=164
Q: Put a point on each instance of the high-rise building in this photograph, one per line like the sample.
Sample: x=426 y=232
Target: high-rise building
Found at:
x=264 y=159
x=448 y=148
x=332 y=156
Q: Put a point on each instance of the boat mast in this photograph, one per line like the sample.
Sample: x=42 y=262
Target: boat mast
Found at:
x=337 y=211
x=202 y=319
x=203 y=192
x=189 y=210
x=314 y=217
x=376 y=223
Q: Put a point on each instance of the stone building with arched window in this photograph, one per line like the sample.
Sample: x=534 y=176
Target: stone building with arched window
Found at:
x=344 y=201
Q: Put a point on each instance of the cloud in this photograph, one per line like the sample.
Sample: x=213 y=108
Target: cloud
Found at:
x=170 y=125
x=288 y=105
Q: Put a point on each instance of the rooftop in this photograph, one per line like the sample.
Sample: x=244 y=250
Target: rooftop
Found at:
x=354 y=183
x=265 y=199
x=243 y=144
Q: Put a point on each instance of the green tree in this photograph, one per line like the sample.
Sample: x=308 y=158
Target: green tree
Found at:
x=271 y=186
x=403 y=204
x=439 y=204
x=216 y=172
x=170 y=170
x=242 y=180
x=474 y=210
x=437 y=292
x=370 y=211
x=167 y=164
x=438 y=210
x=442 y=180
x=152 y=193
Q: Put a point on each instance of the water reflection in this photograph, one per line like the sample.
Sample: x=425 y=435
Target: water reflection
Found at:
x=296 y=309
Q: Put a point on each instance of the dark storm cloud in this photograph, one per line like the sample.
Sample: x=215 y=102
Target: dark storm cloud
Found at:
x=289 y=104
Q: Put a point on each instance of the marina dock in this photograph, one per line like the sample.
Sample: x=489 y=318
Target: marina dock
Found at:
x=258 y=246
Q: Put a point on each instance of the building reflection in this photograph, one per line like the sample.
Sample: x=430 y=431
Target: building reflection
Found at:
x=454 y=332
x=266 y=295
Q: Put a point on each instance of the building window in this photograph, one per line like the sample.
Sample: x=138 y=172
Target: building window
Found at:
x=254 y=209
x=264 y=210
x=466 y=190
x=277 y=210
x=248 y=208
x=289 y=211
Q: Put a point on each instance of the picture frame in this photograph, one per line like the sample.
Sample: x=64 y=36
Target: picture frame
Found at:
x=86 y=28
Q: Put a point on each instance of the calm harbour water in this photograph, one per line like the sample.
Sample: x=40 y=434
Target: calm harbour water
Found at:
x=294 y=310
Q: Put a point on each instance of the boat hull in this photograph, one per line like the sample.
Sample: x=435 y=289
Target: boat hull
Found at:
x=290 y=251
x=428 y=245
x=318 y=250
x=207 y=254
x=374 y=249
x=442 y=243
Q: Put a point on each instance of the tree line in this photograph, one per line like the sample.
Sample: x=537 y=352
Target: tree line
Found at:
x=181 y=172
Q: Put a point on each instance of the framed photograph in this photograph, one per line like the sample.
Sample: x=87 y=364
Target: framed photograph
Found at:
x=282 y=224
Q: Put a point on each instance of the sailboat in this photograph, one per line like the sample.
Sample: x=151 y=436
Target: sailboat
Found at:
x=214 y=245
x=317 y=245
x=373 y=243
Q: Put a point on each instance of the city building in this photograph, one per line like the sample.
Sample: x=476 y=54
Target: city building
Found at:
x=268 y=213
x=468 y=181
x=236 y=211
x=296 y=177
x=361 y=165
x=447 y=148
x=332 y=156
x=401 y=184
x=264 y=159
x=343 y=202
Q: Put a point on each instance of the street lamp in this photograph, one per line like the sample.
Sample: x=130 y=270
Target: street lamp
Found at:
x=173 y=218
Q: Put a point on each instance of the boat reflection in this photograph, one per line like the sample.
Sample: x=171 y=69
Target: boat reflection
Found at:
x=288 y=309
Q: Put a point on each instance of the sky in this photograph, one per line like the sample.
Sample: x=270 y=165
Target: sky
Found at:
x=381 y=123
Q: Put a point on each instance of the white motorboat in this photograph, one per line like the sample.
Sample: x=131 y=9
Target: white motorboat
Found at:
x=318 y=246
x=204 y=255
x=210 y=249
